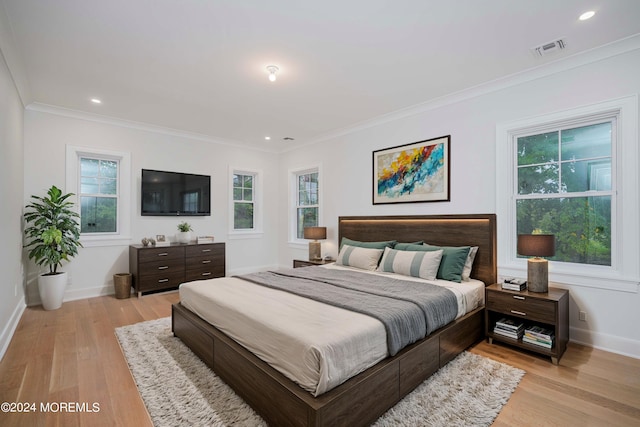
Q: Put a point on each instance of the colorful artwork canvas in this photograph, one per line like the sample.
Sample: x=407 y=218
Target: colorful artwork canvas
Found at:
x=417 y=172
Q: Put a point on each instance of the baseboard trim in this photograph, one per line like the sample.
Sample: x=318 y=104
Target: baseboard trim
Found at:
x=610 y=343
x=12 y=324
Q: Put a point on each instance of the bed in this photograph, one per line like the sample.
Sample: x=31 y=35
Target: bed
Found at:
x=364 y=397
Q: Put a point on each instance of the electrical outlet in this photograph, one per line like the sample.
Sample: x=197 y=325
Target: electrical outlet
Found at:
x=583 y=316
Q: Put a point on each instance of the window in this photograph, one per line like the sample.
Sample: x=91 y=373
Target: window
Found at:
x=101 y=181
x=564 y=187
x=245 y=203
x=573 y=174
x=98 y=195
x=306 y=186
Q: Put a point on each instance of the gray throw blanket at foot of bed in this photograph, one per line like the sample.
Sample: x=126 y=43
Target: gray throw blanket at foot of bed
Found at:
x=409 y=310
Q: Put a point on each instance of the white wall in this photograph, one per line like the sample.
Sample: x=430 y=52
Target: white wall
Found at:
x=471 y=121
x=49 y=130
x=12 y=301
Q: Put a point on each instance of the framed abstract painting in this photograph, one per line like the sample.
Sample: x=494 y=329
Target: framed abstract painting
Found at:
x=417 y=172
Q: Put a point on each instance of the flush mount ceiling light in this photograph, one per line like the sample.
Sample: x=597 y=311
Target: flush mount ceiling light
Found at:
x=96 y=101
x=587 y=15
x=272 y=69
x=267 y=138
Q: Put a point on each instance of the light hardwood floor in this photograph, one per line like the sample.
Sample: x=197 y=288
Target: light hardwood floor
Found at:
x=72 y=355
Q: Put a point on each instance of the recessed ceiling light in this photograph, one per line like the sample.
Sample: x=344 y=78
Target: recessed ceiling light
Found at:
x=267 y=138
x=96 y=101
x=587 y=15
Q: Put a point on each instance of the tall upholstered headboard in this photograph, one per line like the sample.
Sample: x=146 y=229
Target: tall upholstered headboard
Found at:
x=442 y=230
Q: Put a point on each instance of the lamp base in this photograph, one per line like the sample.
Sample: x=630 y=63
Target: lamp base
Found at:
x=537 y=275
x=314 y=251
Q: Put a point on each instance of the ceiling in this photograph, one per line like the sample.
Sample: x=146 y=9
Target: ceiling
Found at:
x=199 y=66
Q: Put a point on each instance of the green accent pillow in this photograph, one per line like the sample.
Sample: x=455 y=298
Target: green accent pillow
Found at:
x=453 y=260
x=403 y=246
x=370 y=245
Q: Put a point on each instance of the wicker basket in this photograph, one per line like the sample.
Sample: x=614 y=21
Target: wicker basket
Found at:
x=122 y=285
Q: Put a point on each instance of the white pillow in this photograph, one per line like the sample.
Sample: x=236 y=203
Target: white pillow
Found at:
x=422 y=264
x=466 y=271
x=364 y=258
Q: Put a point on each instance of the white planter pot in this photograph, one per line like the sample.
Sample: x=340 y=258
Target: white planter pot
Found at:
x=51 y=289
x=183 y=236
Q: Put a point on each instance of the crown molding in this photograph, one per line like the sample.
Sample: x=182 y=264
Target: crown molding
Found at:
x=113 y=121
x=590 y=56
x=13 y=59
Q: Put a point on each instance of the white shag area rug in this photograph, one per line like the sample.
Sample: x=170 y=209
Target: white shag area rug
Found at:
x=178 y=389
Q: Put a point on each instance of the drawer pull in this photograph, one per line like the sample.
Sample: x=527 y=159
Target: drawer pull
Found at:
x=163 y=280
x=163 y=254
x=206 y=250
x=518 y=312
x=519 y=297
x=206 y=261
x=206 y=274
x=163 y=267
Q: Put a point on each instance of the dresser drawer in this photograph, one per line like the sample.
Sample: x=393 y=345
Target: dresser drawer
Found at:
x=165 y=253
x=160 y=281
x=204 y=272
x=205 y=250
x=162 y=266
x=523 y=306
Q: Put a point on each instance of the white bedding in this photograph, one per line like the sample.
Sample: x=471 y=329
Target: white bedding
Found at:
x=316 y=345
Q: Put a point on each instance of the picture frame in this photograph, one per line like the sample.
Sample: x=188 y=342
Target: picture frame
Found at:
x=160 y=238
x=413 y=173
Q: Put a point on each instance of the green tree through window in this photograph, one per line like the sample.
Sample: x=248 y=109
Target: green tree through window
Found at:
x=98 y=195
x=564 y=187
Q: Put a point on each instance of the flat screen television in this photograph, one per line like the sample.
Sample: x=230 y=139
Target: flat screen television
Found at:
x=175 y=194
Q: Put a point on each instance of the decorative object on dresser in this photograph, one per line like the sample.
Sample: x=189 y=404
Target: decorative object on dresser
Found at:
x=537 y=245
x=308 y=263
x=184 y=232
x=416 y=172
x=539 y=322
x=161 y=240
x=162 y=268
x=315 y=234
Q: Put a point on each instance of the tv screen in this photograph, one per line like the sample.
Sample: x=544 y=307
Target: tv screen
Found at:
x=175 y=194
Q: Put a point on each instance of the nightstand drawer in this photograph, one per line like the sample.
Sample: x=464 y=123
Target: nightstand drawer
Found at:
x=523 y=306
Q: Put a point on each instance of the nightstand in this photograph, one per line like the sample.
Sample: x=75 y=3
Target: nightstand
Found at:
x=549 y=310
x=307 y=263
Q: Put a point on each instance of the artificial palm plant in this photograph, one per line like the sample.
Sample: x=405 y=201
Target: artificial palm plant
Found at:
x=53 y=232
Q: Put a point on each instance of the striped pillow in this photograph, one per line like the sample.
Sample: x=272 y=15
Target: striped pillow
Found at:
x=364 y=258
x=423 y=264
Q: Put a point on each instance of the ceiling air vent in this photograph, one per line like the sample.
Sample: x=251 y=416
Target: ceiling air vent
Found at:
x=550 y=47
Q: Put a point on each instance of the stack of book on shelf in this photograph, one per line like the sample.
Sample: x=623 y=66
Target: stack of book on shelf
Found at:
x=513 y=284
x=509 y=328
x=538 y=335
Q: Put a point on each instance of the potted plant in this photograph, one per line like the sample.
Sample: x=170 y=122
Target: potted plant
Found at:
x=53 y=235
x=184 y=232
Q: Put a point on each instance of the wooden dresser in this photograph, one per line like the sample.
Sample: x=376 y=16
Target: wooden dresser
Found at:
x=158 y=268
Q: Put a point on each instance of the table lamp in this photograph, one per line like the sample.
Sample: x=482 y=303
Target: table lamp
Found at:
x=537 y=245
x=315 y=234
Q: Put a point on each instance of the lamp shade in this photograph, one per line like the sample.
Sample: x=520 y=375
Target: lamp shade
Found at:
x=315 y=233
x=539 y=245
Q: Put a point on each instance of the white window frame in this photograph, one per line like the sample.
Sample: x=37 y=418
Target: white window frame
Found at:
x=293 y=203
x=624 y=273
x=257 y=230
x=123 y=234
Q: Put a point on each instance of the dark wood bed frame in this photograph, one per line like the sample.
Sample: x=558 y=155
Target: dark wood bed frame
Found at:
x=363 y=398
